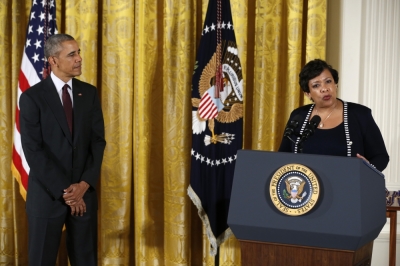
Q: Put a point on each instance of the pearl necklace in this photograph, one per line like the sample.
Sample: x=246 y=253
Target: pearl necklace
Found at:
x=322 y=122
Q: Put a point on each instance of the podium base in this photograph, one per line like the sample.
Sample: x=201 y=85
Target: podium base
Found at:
x=263 y=254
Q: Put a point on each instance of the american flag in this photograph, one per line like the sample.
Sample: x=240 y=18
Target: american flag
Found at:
x=34 y=68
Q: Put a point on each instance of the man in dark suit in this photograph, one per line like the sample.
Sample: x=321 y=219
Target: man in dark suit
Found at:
x=62 y=134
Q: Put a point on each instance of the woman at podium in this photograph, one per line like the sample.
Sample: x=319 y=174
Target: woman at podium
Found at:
x=331 y=126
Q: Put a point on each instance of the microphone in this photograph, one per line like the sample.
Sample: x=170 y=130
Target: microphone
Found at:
x=292 y=125
x=310 y=128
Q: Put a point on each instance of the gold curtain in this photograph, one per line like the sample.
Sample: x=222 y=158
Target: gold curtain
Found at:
x=140 y=54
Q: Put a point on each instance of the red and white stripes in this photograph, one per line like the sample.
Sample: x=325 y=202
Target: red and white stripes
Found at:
x=20 y=168
x=207 y=108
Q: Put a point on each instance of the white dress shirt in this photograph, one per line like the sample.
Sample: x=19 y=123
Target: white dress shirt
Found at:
x=60 y=84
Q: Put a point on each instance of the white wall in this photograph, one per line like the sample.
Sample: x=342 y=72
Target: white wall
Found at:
x=363 y=43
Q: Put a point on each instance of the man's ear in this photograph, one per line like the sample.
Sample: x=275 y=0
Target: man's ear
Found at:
x=51 y=60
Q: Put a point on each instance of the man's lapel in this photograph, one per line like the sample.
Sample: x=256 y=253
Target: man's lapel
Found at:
x=79 y=101
x=53 y=100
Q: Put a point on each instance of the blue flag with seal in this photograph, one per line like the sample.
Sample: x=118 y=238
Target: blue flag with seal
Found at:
x=217 y=121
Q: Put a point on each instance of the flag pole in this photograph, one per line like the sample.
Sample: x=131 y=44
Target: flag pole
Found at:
x=216 y=263
x=218 y=78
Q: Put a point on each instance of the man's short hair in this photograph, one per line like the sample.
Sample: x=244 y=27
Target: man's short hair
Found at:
x=52 y=47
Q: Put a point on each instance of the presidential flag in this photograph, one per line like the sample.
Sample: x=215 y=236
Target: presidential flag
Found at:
x=217 y=121
x=34 y=68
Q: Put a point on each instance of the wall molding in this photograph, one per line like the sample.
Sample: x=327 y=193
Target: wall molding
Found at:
x=363 y=37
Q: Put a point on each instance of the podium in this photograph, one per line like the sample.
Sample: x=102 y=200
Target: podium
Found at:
x=340 y=228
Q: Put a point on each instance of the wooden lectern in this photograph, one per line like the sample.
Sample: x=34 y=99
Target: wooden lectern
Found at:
x=339 y=229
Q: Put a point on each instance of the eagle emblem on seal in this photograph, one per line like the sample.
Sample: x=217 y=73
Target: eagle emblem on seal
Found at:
x=294 y=188
x=221 y=95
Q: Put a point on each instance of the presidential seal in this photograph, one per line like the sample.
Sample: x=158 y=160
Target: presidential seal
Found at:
x=294 y=189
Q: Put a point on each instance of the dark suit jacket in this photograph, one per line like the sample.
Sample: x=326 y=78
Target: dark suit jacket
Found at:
x=364 y=133
x=55 y=157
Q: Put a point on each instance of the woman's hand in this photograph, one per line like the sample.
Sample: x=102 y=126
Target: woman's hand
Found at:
x=362 y=157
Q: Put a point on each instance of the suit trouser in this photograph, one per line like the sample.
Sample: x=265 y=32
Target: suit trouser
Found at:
x=45 y=235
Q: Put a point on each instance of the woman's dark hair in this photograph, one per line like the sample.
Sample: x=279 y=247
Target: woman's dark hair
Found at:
x=313 y=69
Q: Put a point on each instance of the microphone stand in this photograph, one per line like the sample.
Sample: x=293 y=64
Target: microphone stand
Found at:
x=300 y=146
x=309 y=131
x=296 y=134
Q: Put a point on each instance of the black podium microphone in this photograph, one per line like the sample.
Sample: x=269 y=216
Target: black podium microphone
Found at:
x=310 y=127
x=292 y=125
